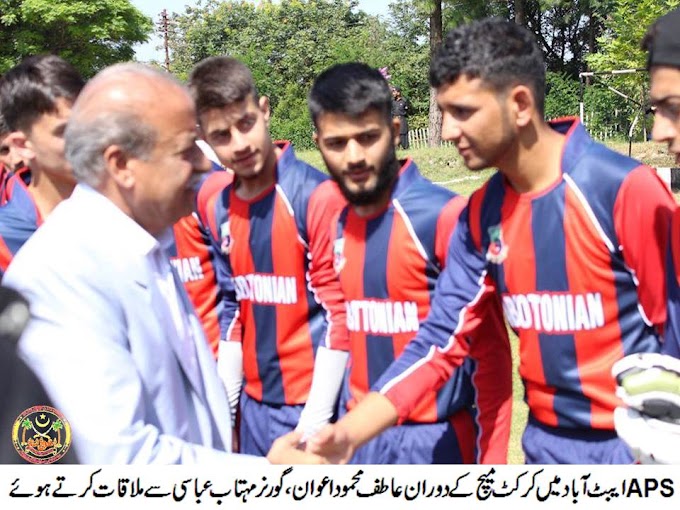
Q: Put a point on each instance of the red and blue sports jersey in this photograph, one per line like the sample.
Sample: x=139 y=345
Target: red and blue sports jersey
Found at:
x=19 y=217
x=671 y=345
x=281 y=295
x=192 y=256
x=388 y=265
x=579 y=268
x=5 y=174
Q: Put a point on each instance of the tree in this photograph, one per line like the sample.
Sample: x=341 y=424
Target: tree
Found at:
x=445 y=15
x=286 y=45
x=619 y=47
x=625 y=27
x=436 y=38
x=90 y=35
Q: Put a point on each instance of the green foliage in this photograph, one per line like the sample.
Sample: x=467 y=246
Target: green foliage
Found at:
x=606 y=113
x=290 y=120
x=562 y=96
x=626 y=25
x=91 y=35
x=287 y=44
x=619 y=48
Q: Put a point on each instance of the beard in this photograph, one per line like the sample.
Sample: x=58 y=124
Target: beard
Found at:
x=389 y=169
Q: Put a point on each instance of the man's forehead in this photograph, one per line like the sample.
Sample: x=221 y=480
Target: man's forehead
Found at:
x=664 y=81
x=338 y=121
x=226 y=115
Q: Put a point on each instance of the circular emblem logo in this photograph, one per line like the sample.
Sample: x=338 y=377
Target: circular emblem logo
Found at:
x=41 y=435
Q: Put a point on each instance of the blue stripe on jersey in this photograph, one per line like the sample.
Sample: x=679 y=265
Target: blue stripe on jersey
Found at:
x=172 y=249
x=298 y=180
x=636 y=336
x=316 y=315
x=407 y=177
x=547 y=222
x=418 y=201
x=18 y=219
x=491 y=215
x=613 y=168
x=458 y=392
x=342 y=222
x=379 y=349
x=671 y=345
x=261 y=223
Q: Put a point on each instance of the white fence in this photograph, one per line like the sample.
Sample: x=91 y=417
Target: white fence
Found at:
x=418 y=139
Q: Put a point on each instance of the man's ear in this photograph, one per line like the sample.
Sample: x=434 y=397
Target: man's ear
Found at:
x=119 y=166
x=522 y=104
x=396 y=125
x=263 y=105
x=22 y=146
x=315 y=137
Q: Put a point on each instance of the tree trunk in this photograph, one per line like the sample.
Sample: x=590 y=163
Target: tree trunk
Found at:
x=435 y=116
x=520 y=17
x=434 y=135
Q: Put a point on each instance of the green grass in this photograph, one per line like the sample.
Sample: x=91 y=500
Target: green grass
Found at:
x=443 y=165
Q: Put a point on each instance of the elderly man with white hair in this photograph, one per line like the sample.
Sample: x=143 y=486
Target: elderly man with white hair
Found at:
x=113 y=337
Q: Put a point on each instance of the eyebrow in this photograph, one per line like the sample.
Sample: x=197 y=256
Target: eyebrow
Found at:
x=669 y=97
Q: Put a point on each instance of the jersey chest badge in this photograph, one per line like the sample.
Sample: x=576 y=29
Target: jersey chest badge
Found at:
x=338 y=255
x=497 y=251
x=226 y=242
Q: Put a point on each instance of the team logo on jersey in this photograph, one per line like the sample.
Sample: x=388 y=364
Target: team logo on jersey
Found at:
x=339 y=259
x=226 y=240
x=41 y=435
x=497 y=251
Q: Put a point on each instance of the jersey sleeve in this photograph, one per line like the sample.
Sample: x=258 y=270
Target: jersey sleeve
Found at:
x=490 y=351
x=443 y=340
x=230 y=326
x=671 y=345
x=324 y=204
x=210 y=192
x=193 y=247
x=492 y=380
x=642 y=215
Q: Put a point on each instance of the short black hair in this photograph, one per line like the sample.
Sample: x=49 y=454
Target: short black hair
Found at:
x=4 y=128
x=217 y=82
x=662 y=41
x=31 y=89
x=501 y=53
x=350 y=89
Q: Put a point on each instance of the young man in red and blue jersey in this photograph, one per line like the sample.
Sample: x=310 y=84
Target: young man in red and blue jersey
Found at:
x=283 y=312
x=389 y=248
x=191 y=254
x=663 y=45
x=649 y=383
x=9 y=162
x=35 y=100
x=571 y=234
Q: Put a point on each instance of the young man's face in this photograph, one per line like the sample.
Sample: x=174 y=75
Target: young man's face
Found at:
x=664 y=95
x=8 y=156
x=359 y=153
x=43 y=148
x=239 y=135
x=475 y=118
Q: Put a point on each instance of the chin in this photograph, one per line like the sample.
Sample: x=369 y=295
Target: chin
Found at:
x=247 y=174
